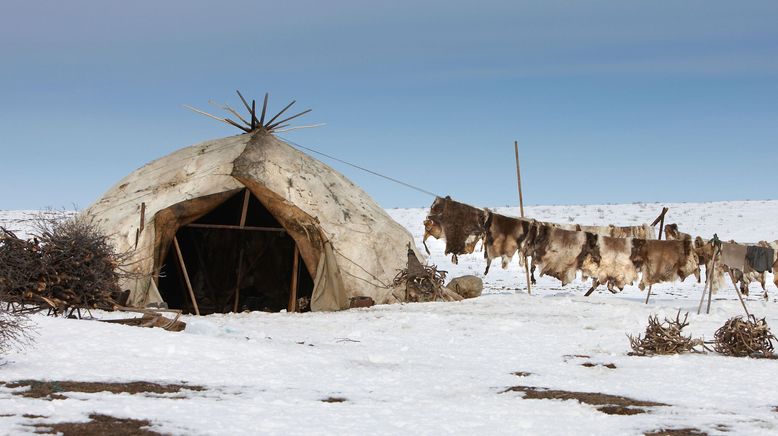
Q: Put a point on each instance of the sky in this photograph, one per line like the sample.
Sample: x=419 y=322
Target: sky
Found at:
x=611 y=101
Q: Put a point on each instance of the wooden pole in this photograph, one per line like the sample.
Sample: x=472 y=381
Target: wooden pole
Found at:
x=708 y=283
x=237 y=282
x=292 y=307
x=710 y=278
x=521 y=210
x=242 y=224
x=245 y=210
x=661 y=219
x=732 y=277
x=186 y=275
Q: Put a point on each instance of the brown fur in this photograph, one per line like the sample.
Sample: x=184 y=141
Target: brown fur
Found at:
x=614 y=267
x=664 y=261
x=504 y=237
x=673 y=234
x=560 y=253
x=461 y=224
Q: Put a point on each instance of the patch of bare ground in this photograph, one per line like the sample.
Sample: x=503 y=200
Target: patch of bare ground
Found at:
x=99 y=425
x=676 y=432
x=610 y=404
x=592 y=365
x=522 y=374
x=334 y=400
x=31 y=416
x=52 y=390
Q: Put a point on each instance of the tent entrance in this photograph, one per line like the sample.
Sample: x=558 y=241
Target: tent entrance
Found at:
x=236 y=257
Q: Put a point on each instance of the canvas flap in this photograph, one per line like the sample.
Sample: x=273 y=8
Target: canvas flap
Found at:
x=329 y=294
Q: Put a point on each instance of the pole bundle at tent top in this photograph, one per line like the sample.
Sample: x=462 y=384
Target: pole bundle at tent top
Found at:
x=254 y=123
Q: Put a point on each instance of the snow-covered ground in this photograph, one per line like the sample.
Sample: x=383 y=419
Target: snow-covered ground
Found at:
x=434 y=368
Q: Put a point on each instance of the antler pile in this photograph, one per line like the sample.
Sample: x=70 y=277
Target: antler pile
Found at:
x=744 y=337
x=664 y=338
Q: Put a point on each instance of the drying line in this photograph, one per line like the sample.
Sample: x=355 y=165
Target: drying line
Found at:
x=391 y=179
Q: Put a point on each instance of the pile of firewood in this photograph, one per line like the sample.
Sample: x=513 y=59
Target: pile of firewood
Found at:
x=69 y=266
x=664 y=338
x=744 y=338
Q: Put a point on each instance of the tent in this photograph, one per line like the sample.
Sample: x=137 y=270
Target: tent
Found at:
x=250 y=223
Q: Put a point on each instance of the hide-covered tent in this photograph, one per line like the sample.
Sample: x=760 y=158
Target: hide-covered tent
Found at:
x=250 y=223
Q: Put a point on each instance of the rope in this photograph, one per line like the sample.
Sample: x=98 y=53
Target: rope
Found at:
x=391 y=179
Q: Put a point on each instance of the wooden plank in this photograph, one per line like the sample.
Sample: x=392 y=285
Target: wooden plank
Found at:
x=186 y=275
x=292 y=307
x=245 y=210
x=230 y=227
x=521 y=209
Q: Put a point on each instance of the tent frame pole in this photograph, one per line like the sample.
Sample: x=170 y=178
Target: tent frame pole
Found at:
x=243 y=214
x=292 y=307
x=186 y=275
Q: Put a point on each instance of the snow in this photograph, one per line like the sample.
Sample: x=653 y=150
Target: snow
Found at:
x=432 y=368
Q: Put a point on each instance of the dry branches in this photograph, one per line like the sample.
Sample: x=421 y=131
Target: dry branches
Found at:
x=664 y=338
x=422 y=285
x=68 y=267
x=744 y=338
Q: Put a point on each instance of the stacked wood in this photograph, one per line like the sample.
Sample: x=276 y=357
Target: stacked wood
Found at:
x=748 y=337
x=662 y=338
x=70 y=266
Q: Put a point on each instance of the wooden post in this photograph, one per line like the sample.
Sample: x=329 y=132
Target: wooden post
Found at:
x=660 y=219
x=521 y=210
x=292 y=307
x=237 y=282
x=242 y=224
x=708 y=282
x=186 y=275
x=244 y=211
x=732 y=277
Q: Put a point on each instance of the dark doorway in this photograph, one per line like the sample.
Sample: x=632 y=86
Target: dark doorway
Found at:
x=238 y=251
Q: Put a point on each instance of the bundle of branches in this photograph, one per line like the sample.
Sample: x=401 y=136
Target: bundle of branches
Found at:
x=21 y=264
x=70 y=266
x=423 y=284
x=79 y=267
x=744 y=337
x=664 y=338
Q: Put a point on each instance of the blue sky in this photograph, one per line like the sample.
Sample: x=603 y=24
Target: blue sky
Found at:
x=611 y=101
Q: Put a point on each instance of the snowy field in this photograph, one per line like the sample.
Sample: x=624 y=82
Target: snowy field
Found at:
x=433 y=368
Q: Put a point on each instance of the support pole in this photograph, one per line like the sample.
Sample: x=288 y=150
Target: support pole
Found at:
x=732 y=277
x=243 y=214
x=237 y=282
x=292 y=307
x=186 y=275
x=244 y=211
x=708 y=282
x=521 y=210
x=661 y=220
